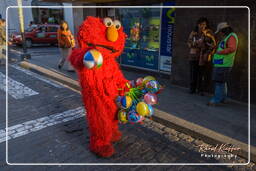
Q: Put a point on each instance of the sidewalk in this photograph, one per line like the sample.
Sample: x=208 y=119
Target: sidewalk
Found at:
x=230 y=120
x=49 y=127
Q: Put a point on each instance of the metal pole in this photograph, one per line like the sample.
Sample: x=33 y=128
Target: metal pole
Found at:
x=21 y=19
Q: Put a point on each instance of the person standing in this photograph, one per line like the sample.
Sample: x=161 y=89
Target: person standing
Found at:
x=223 y=61
x=2 y=40
x=65 y=42
x=194 y=42
x=207 y=46
x=44 y=17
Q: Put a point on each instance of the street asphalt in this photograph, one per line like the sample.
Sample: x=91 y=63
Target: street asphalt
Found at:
x=230 y=119
x=44 y=128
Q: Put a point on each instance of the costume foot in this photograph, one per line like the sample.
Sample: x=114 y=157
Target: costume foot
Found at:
x=104 y=151
x=117 y=135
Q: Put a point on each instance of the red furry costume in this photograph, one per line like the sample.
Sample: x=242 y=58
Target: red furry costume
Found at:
x=100 y=86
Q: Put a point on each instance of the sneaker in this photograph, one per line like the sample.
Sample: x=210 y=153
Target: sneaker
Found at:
x=59 y=66
x=214 y=104
x=13 y=60
x=2 y=63
x=201 y=93
x=224 y=101
x=192 y=91
x=211 y=104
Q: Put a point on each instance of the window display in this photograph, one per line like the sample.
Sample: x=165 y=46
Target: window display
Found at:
x=142 y=44
x=143 y=28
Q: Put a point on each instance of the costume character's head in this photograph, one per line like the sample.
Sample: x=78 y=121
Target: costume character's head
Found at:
x=105 y=35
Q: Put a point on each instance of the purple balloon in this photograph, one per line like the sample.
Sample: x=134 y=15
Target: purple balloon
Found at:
x=150 y=98
x=152 y=86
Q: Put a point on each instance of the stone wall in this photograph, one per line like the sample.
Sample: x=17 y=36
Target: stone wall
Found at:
x=238 y=19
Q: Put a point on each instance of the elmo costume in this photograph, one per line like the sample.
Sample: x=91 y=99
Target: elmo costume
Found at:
x=101 y=86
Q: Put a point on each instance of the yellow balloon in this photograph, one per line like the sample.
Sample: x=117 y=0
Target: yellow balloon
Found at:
x=147 y=79
x=122 y=116
x=142 y=109
x=126 y=102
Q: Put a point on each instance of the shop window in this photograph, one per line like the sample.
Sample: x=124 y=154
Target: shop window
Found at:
x=145 y=28
x=142 y=25
x=52 y=29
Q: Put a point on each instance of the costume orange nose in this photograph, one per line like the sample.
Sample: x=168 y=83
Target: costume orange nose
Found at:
x=112 y=34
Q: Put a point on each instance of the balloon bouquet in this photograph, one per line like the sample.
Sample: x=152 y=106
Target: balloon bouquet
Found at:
x=137 y=103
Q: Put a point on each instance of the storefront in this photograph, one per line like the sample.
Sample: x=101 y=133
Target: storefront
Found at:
x=47 y=15
x=149 y=42
x=150 y=30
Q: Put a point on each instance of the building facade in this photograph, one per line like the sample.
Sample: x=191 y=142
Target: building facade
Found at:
x=185 y=19
x=39 y=13
x=183 y=22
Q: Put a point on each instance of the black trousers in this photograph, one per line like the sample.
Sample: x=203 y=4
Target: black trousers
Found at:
x=204 y=78
x=194 y=73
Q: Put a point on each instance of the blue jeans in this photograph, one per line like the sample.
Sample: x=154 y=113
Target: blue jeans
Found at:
x=220 y=76
x=220 y=93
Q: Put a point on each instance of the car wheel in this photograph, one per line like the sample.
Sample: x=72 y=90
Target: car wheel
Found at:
x=28 y=43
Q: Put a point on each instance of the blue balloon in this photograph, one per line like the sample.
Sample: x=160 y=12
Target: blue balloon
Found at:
x=118 y=101
x=151 y=110
x=133 y=107
x=133 y=117
x=144 y=91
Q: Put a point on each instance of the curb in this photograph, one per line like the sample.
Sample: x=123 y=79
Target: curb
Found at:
x=51 y=74
x=167 y=119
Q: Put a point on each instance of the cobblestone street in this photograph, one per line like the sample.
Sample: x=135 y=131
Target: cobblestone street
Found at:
x=178 y=76
x=49 y=127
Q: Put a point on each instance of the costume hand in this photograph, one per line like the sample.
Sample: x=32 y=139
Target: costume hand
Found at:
x=125 y=88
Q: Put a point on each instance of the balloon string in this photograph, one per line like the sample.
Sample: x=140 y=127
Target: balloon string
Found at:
x=135 y=94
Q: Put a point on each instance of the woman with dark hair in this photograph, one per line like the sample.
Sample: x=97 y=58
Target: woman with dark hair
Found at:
x=223 y=61
x=66 y=42
x=208 y=46
x=200 y=41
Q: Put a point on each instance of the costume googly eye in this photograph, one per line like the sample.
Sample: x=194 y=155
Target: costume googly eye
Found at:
x=108 y=22
x=117 y=24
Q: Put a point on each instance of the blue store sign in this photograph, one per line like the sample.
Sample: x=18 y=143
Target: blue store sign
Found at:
x=140 y=58
x=167 y=25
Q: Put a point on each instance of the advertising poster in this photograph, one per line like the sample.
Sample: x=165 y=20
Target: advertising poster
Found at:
x=130 y=57
x=167 y=26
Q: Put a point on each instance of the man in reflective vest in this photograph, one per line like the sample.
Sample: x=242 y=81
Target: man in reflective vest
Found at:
x=223 y=61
